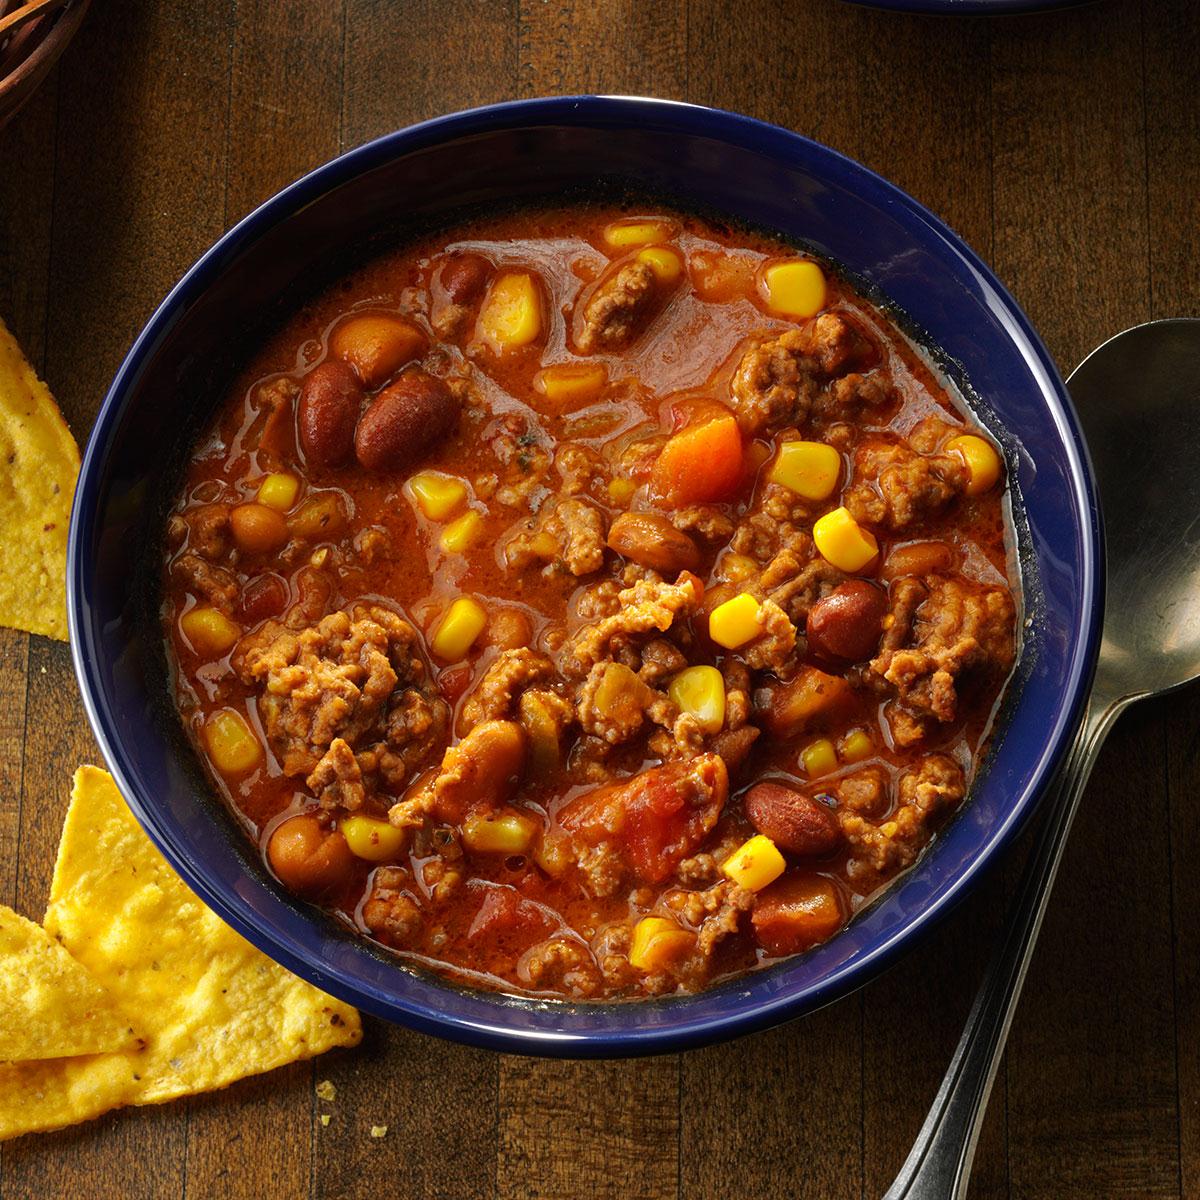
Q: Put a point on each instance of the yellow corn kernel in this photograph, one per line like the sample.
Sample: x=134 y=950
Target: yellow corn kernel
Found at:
x=657 y=942
x=512 y=313
x=462 y=533
x=810 y=469
x=701 y=692
x=507 y=832
x=795 y=288
x=664 y=262
x=819 y=758
x=735 y=622
x=842 y=541
x=571 y=383
x=856 y=746
x=231 y=743
x=982 y=461
x=754 y=864
x=462 y=624
x=279 y=491
x=372 y=839
x=624 y=235
x=620 y=491
x=438 y=496
x=208 y=631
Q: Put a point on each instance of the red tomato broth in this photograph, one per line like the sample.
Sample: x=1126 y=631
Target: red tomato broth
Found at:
x=677 y=370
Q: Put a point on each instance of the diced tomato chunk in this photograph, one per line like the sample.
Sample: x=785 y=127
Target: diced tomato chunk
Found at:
x=796 y=913
x=657 y=817
x=701 y=463
x=505 y=916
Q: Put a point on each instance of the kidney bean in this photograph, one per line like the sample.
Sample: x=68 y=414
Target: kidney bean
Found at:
x=264 y=597
x=404 y=421
x=463 y=277
x=652 y=541
x=796 y=823
x=330 y=400
x=846 y=624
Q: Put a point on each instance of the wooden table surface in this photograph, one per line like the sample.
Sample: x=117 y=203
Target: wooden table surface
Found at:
x=1066 y=149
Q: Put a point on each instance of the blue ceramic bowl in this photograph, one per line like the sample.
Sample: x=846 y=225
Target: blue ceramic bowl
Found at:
x=175 y=375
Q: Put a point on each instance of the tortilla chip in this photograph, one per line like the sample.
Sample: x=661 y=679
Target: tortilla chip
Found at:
x=50 y=1007
x=210 y=1007
x=39 y=463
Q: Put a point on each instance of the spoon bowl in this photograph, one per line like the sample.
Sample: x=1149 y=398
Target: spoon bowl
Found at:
x=1138 y=398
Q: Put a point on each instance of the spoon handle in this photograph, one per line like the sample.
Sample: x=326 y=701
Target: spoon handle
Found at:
x=939 y=1165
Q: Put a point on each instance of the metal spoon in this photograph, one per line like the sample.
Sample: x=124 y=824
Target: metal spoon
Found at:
x=1138 y=396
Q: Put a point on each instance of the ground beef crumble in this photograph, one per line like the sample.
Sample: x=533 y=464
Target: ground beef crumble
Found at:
x=344 y=679
x=926 y=795
x=944 y=632
x=568 y=536
x=617 y=309
x=896 y=486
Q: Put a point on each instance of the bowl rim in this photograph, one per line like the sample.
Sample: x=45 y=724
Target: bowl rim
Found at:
x=493 y=1033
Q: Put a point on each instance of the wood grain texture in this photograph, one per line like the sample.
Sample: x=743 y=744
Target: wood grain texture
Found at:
x=438 y=1101
x=600 y=1130
x=571 y=47
x=779 y=1114
x=1066 y=149
x=285 y=88
x=408 y=62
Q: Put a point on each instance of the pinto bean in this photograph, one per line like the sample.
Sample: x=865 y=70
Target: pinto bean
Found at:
x=463 y=277
x=330 y=401
x=812 y=700
x=307 y=857
x=377 y=345
x=917 y=558
x=404 y=421
x=845 y=625
x=258 y=529
x=482 y=770
x=652 y=541
x=508 y=629
x=796 y=823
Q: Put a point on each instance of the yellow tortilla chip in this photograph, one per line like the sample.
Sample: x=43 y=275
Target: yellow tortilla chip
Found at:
x=210 y=1007
x=39 y=463
x=50 y=1007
